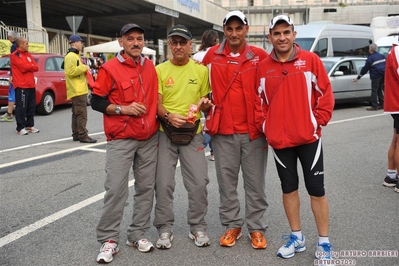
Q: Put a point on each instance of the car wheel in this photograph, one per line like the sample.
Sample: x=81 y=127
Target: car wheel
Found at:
x=88 y=98
x=46 y=105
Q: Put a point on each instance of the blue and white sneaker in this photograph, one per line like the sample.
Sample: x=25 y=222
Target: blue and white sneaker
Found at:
x=324 y=253
x=293 y=245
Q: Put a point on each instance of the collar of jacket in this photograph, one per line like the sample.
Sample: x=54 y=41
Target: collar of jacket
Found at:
x=73 y=50
x=248 y=55
x=128 y=61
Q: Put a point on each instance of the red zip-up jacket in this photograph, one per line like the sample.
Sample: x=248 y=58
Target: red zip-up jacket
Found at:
x=216 y=60
x=123 y=82
x=22 y=67
x=391 y=90
x=295 y=99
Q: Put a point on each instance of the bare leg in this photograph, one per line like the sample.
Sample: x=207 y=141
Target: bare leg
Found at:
x=320 y=212
x=291 y=205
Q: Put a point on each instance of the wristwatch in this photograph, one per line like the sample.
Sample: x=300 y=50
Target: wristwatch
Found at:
x=118 y=109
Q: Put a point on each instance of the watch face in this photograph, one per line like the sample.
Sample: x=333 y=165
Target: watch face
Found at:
x=118 y=110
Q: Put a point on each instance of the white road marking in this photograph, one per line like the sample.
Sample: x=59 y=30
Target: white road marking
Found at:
x=60 y=214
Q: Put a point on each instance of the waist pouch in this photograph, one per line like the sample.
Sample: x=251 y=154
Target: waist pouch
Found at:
x=182 y=135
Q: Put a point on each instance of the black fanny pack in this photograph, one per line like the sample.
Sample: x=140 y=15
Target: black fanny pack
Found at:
x=182 y=135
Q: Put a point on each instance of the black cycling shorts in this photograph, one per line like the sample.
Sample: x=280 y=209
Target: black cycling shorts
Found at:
x=311 y=159
x=396 y=122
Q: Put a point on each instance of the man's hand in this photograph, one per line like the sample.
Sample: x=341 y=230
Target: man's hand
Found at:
x=177 y=120
x=135 y=109
x=204 y=104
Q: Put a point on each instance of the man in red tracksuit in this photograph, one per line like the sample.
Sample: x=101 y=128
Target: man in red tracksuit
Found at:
x=295 y=101
x=23 y=66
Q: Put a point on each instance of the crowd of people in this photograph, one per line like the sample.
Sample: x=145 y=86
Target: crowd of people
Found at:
x=151 y=117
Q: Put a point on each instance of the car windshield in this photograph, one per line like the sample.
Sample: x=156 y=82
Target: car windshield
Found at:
x=4 y=63
x=328 y=65
x=305 y=43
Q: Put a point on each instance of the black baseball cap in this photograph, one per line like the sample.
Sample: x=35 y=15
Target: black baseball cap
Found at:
x=128 y=27
x=180 y=30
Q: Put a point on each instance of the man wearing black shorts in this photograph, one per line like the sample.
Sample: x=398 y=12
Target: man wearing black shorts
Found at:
x=391 y=106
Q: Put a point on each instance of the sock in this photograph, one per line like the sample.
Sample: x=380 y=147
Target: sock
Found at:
x=323 y=239
x=297 y=233
x=391 y=173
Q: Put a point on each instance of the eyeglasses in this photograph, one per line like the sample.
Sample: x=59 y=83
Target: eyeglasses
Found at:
x=278 y=18
x=176 y=43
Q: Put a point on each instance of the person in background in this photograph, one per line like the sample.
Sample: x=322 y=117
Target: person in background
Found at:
x=182 y=83
x=391 y=107
x=8 y=116
x=209 y=39
x=22 y=67
x=77 y=89
x=239 y=144
x=296 y=101
x=126 y=92
x=375 y=63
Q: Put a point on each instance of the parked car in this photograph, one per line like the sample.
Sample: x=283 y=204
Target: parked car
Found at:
x=50 y=82
x=342 y=71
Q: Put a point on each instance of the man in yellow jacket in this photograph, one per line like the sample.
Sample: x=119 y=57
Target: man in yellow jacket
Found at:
x=77 y=89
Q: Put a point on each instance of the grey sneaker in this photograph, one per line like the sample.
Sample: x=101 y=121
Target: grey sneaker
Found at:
x=143 y=245
x=397 y=187
x=200 y=239
x=107 y=251
x=22 y=132
x=32 y=130
x=164 y=241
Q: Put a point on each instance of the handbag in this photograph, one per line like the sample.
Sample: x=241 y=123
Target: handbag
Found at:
x=180 y=135
x=212 y=121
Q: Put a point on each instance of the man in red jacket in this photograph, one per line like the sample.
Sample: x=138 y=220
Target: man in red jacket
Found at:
x=126 y=92
x=296 y=101
x=391 y=106
x=238 y=143
x=23 y=66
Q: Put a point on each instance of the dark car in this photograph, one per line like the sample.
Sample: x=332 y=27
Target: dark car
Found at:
x=342 y=71
x=50 y=82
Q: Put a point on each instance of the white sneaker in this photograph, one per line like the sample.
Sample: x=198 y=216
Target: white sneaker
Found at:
x=32 y=130
x=211 y=157
x=143 y=245
x=107 y=251
x=164 y=241
x=293 y=245
x=22 y=132
x=200 y=239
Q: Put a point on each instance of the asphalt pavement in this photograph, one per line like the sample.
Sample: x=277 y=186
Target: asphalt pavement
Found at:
x=51 y=191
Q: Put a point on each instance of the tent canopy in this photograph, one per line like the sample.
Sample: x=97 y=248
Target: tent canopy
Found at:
x=113 y=47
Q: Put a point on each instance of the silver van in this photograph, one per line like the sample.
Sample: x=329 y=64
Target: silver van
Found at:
x=328 y=39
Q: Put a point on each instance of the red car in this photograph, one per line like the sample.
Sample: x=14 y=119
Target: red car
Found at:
x=50 y=82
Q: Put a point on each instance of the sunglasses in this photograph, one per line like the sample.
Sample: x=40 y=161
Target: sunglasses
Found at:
x=176 y=43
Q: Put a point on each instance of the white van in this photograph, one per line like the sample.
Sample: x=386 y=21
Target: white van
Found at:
x=328 y=39
x=384 y=44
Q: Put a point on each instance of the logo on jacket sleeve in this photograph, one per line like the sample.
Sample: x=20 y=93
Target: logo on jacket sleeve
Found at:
x=300 y=63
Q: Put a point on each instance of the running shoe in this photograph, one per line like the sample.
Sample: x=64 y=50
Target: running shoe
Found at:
x=258 y=240
x=164 y=241
x=143 y=245
x=22 y=132
x=293 y=245
x=32 y=130
x=200 y=239
x=323 y=252
x=390 y=182
x=107 y=251
x=6 y=118
x=397 y=187
x=230 y=237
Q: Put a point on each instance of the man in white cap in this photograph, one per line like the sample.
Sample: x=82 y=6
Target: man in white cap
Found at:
x=296 y=101
x=238 y=143
x=77 y=89
x=8 y=116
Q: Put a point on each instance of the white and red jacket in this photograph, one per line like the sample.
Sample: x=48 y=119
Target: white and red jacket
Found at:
x=391 y=91
x=216 y=59
x=22 y=67
x=295 y=99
